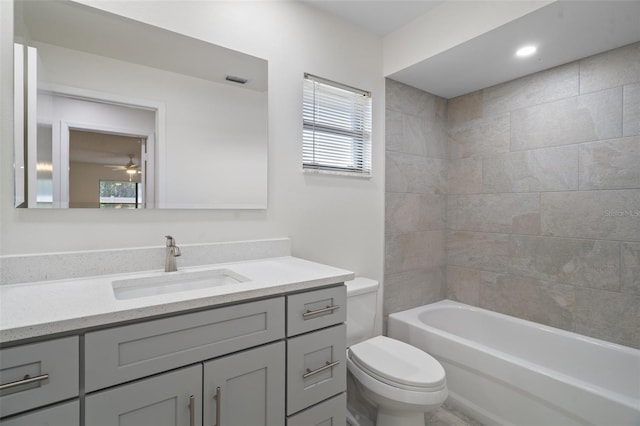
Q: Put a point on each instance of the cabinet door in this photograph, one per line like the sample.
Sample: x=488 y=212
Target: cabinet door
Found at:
x=246 y=388
x=171 y=399
x=67 y=414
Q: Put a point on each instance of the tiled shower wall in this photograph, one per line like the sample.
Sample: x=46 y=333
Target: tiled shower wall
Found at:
x=543 y=205
x=415 y=199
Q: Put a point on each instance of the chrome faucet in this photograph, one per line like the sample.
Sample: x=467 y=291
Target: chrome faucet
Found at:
x=173 y=251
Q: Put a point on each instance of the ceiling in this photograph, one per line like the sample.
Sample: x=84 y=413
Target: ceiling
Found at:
x=376 y=16
x=564 y=31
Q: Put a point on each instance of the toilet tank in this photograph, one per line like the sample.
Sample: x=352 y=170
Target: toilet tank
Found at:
x=362 y=294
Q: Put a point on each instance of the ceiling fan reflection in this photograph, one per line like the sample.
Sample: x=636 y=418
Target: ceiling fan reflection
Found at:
x=131 y=168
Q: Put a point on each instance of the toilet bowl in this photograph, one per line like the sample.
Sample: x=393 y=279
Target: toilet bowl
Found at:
x=402 y=381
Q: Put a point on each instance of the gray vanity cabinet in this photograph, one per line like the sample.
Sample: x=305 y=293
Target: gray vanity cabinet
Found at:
x=246 y=388
x=271 y=362
x=170 y=399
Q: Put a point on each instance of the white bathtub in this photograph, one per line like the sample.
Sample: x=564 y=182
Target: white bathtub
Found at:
x=507 y=371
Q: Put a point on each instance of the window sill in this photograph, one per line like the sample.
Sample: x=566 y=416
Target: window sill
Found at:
x=337 y=173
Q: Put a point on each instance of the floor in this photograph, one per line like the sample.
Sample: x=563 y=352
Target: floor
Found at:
x=447 y=416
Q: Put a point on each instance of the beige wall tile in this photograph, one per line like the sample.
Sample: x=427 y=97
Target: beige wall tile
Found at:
x=393 y=130
x=630 y=264
x=605 y=215
x=409 y=212
x=507 y=213
x=464 y=176
x=587 y=263
x=546 y=169
x=610 y=69
x=412 y=173
x=479 y=250
x=416 y=250
x=484 y=137
x=546 y=86
x=631 y=110
x=530 y=299
x=406 y=99
x=584 y=118
x=463 y=285
x=452 y=212
x=611 y=164
x=465 y=108
x=608 y=315
x=406 y=290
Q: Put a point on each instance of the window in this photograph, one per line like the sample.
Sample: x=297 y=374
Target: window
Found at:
x=120 y=194
x=336 y=127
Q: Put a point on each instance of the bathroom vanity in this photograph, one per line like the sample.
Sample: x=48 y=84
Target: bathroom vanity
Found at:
x=269 y=350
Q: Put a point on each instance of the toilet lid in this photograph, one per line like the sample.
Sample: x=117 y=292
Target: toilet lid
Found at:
x=397 y=363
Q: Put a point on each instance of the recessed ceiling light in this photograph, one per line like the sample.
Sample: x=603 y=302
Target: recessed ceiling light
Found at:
x=526 y=51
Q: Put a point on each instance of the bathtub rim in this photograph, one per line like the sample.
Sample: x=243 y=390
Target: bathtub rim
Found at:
x=411 y=317
x=447 y=303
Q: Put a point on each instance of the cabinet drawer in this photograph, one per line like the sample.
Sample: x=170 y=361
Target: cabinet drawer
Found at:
x=332 y=412
x=52 y=365
x=67 y=414
x=316 y=367
x=316 y=309
x=130 y=352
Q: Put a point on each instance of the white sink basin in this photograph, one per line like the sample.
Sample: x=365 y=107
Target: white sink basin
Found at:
x=173 y=282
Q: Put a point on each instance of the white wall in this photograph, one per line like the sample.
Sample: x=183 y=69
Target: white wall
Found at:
x=335 y=220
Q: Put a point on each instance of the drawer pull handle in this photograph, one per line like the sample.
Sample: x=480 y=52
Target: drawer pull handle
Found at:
x=328 y=365
x=25 y=381
x=218 y=397
x=309 y=313
x=192 y=411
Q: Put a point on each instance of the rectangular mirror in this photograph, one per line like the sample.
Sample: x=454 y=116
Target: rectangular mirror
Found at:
x=115 y=113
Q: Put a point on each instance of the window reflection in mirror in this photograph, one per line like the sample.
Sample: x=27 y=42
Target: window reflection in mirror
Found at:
x=120 y=194
x=205 y=136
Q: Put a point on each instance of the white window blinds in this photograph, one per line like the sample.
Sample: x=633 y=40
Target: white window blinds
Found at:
x=336 y=127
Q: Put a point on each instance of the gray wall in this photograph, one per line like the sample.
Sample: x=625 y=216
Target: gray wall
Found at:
x=543 y=204
x=415 y=198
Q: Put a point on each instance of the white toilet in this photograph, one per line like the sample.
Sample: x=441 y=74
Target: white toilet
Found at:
x=401 y=380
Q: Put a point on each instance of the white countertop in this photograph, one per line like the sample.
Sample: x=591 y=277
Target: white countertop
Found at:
x=42 y=308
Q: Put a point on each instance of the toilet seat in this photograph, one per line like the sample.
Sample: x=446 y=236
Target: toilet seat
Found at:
x=398 y=364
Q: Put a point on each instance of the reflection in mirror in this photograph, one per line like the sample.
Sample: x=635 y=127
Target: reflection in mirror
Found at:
x=106 y=170
x=143 y=99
